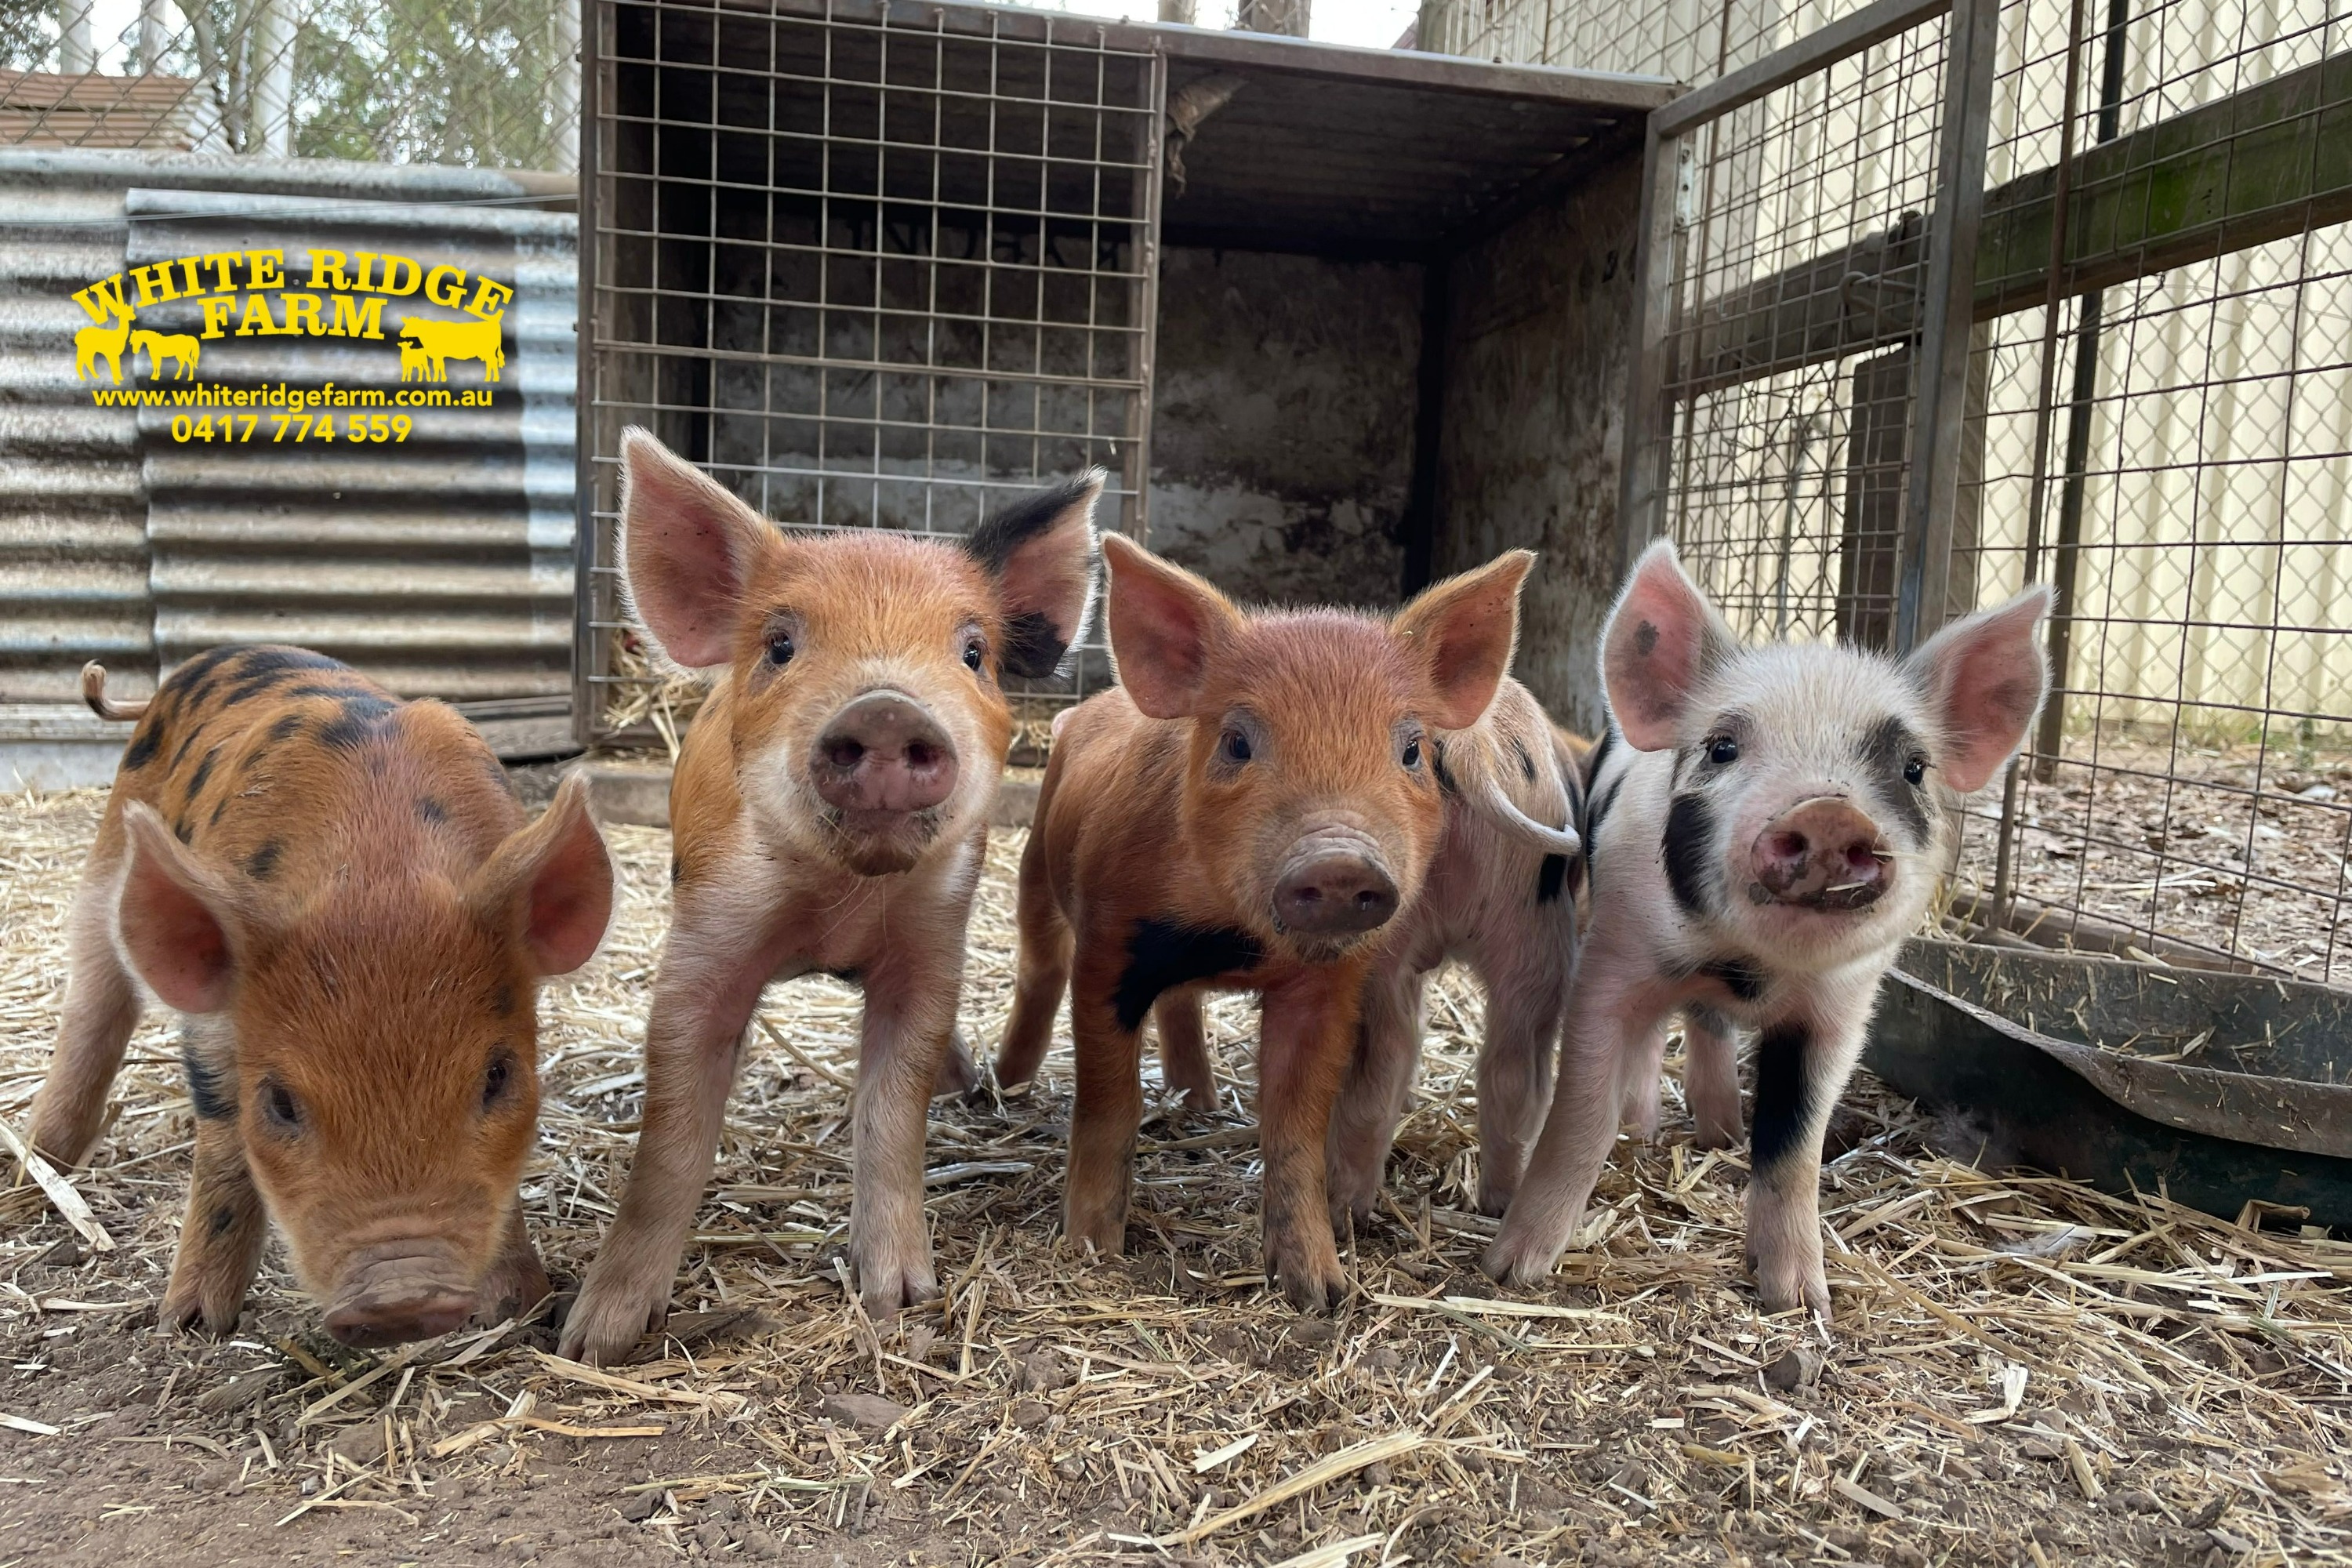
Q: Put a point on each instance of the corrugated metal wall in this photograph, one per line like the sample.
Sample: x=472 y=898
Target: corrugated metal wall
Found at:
x=73 y=546
x=443 y=565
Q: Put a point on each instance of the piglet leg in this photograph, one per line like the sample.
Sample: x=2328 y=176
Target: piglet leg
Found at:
x=220 y=1239
x=1305 y=1034
x=1044 y=971
x=702 y=1001
x=1801 y=1068
x=1184 y=1065
x=101 y=1007
x=1524 y=1000
x=1711 y=1076
x=1371 y=1096
x=1604 y=1025
x=911 y=999
x=1637 y=1086
x=1107 y=1110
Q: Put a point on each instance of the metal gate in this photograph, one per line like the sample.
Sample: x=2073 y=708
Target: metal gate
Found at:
x=870 y=266
x=1800 y=372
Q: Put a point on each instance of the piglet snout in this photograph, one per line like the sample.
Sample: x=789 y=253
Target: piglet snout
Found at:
x=398 y=1294
x=1334 y=885
x=884 y=752
x=1821 y=852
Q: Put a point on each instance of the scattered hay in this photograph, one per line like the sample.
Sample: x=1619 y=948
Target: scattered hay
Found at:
x=2022 y=1371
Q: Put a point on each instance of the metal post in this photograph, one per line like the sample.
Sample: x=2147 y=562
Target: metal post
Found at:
x=155 y=36
x=1143 y=294
x=1642 y=488
x=589 y=657
x=269 y=127
x=75 y=54
x=563 y=87
x=1939 y=416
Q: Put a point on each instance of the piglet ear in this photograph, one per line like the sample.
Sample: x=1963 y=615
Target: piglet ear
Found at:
x=177 y=920
x=1984 y=679
x=1041 y=551
x=1660 y=641
x=551 y=884
x=1166 y=628
x=686 y=547
x=1464 y=629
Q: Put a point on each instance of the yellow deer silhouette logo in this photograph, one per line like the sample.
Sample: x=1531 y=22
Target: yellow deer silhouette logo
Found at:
x=92 y=344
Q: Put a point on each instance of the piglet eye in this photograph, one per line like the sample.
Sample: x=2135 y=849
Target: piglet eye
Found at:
x=975 y=653
x=1233 y=746
x=279 y=1106
x=1916 y=771
x=1722 y=750
x=1411 y=757
x=780 y=649
x=493 y=1081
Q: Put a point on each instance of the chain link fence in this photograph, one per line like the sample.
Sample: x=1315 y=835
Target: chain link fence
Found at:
x=478 y=83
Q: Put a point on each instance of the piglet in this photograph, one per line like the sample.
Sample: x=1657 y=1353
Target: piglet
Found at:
x=339 y=895
x=1501 y=896
x=829 y=813
x=1765 y=829
x=1247 y=811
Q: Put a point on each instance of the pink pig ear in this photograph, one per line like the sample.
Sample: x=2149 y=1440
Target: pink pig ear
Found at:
x=686 y=547
x=1465 y=628
x=1984 y=677
x=1661 y=640
x=177 y=918
x=1166 y=626
x=551 y=883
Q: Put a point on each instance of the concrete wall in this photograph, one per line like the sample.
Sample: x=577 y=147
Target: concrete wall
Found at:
x=1536 y=358
x=1282 y=422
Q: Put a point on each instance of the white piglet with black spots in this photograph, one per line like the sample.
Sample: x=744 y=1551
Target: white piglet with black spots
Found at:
x=1765 y=828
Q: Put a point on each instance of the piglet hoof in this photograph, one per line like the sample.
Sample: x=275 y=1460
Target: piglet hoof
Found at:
x=1716 y=1133
x=956 y=1074
x=1315 y=1287
x=184 y=1311
x=1787 y=1283
x=1494 y=1196
x=885 y=1287
x=1523 y=1253
x=609 y=1319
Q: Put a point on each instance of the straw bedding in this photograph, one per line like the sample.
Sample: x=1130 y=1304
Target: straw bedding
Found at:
x=2022 y=1370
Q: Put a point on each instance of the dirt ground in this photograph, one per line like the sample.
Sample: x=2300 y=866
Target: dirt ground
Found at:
x=2022 y=1371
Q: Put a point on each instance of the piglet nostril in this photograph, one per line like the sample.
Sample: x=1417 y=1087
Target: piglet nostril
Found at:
x=842 y=752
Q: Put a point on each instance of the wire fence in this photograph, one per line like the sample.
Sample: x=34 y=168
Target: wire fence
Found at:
x=869 y=269
x=483 y=83
x=2158 y=420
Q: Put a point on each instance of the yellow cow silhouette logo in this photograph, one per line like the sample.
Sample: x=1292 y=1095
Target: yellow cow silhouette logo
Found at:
x=181 y=348
x=435 y=343
x=92 y=344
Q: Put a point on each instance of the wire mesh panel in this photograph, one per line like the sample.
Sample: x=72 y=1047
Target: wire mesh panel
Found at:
x=492 y=83
x=2172 y=456
x=868 y=270
x=1794 y=333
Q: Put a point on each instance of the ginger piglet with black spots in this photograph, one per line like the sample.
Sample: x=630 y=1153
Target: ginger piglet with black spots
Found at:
x=337 y=893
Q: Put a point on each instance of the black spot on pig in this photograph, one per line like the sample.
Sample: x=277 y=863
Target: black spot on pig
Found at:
x=1688 y=848
x=144 y=743
x=1593 y=818
x=431 y=810
x=359 y=721
x=1162 y=955
x=212 y=1098
x=203 y=773
x=262 y=864
x=1887 y=751
x=1645 y=639
x=282 y=728
x=1527 y=762
x=1784 y=1094
x=223 y=1217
